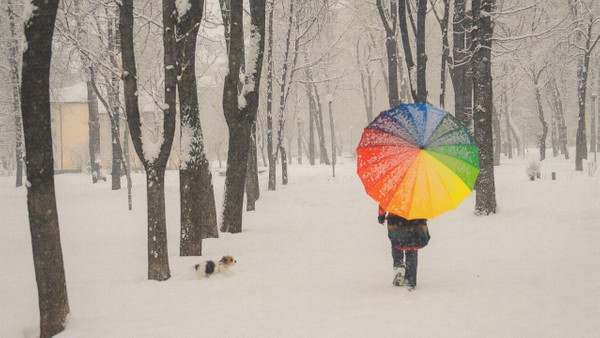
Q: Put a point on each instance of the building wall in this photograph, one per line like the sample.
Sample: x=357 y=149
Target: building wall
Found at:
x=70 y=135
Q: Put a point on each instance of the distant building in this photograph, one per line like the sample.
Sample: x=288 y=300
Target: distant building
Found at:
x=70 y=131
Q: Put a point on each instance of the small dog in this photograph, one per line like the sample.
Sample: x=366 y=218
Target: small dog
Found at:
x=208 y=268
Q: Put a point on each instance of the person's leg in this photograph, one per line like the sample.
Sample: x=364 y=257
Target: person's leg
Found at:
x=411 y=267
x=399 y=266
x=398 y=256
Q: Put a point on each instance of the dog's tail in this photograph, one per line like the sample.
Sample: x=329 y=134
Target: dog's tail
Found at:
x=196 y=267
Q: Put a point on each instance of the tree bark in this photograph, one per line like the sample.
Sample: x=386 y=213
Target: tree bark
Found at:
x=323 y=155
x=13 y=47
x=445 y=52
x=272 y=183
x=509 y=143
x=497 y=136
x=158 y=253
x=240 y=112
x=113 y=99
x=593 y=127
x=197 y=200
x=461 y=68
x=366 y=78
x=582 y=77
x=332 y=127
x=538 y=99
x=421 y=56
x=408 y=56
x=560 y=117
x=284 y=166
x=252 y=187
x=391 y=47
x=154 y=164
x=485 y=200
x=92 y=100
x=41 y=199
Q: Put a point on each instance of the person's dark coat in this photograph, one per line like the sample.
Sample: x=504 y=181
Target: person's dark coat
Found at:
x=407 y=234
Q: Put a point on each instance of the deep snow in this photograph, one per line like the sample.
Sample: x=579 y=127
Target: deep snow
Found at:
x=314 y=262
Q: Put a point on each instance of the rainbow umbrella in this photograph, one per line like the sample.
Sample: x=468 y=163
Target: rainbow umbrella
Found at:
x=417 y=161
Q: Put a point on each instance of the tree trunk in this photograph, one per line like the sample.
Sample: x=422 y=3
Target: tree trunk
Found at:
x=92 y=101
x=41 y=199
x=497 y=136
x=113 y=99
x=285 y=84
x=333 y=147
x=94 y=133
x=235 y=177
x=311 y=119
x=198 y=209
x=240 y=112
x=116 y=171
x=538 y=99
x=154 y=164
x=391 y=47
x=505 y=104
x=461 y=69
x=445 y=52
x=410 y=64
x=252 y=187
x=421 y=56
x=158 y=253
x=324 y=157
x=284 y=166
x=366 y=78
x=593 y=127
x=598 y=118
x=13 y=47
x=561 y=125
x=582 y=76
x=485 y=201
x=270 y=151
x=299 y=140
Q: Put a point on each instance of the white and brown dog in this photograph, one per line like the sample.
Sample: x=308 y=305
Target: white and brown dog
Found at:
x=208 y=268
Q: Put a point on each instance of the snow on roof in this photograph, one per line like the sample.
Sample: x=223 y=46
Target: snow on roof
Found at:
x=76 y=93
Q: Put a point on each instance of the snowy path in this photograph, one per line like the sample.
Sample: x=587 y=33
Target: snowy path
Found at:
x=312 y=261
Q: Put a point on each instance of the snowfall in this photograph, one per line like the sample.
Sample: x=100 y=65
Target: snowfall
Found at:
x=312 y=261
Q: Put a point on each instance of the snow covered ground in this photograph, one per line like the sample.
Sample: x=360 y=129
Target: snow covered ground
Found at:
x=312 y=261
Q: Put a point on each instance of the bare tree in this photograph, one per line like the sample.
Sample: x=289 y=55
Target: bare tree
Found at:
x=198 y=210
x=444 y=22
x=389 y=18
x=16 y=103
x=41 y=199
x=485 y=201
x=240 y=110
x=460 y=69
x=417 y=75
x=93 y=117
x=154 y=157
x=585 y=41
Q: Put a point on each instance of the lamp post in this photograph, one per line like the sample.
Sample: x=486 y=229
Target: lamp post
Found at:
x=593 y=146
x=333 y=152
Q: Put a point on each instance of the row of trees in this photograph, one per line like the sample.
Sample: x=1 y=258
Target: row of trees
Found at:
x=180 y=25
x=305 y=46
x=473 y=45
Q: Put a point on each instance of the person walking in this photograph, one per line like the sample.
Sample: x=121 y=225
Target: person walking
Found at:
x=406 y=238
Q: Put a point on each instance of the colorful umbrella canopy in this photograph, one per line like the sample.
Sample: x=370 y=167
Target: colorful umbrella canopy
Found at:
x=417 y=161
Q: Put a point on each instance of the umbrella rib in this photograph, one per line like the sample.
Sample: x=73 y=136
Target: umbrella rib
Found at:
x=466 y=183
x=410 y=140
x=449 y=132
x=456 y=158
x=445 y=186
x=379 y=160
